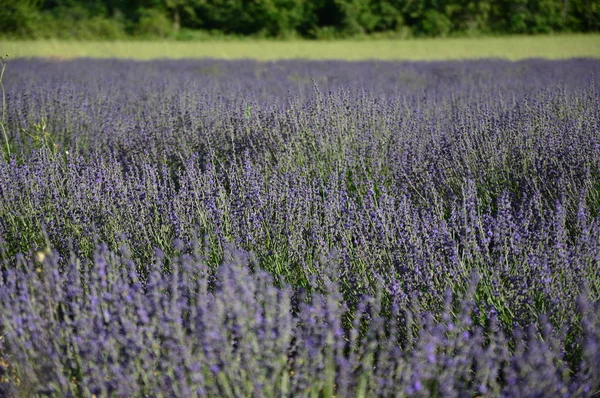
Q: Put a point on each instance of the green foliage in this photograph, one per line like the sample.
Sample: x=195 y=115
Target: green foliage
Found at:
x=320 y=19
x=153 y=23
x=434 y=23
x=19 y=18
x=40 y=137
x=93 y=28
x=274 y=18
x=68 y=20
x=358 y=17
x=470 y=17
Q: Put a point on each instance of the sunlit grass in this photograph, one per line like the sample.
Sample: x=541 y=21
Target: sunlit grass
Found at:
x=514 y=48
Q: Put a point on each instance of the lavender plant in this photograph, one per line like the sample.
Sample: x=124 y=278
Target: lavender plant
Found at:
x=301 y=229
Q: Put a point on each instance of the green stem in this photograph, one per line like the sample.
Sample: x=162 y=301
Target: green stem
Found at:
x=3 y=67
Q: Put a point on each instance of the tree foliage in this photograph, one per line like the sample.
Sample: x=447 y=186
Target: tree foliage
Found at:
x=286 y=18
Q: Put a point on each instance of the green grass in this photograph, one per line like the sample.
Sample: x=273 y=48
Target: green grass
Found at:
x=513 y=47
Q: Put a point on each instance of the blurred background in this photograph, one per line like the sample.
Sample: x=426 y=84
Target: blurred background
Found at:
x=288 y=19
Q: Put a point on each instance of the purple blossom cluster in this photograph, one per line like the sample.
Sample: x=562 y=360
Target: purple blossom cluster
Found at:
x=296 y=228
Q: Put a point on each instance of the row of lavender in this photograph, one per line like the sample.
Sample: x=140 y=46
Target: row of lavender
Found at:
x=300 y=228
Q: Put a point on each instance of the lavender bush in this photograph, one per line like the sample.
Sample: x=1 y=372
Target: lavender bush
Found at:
x=212 y=228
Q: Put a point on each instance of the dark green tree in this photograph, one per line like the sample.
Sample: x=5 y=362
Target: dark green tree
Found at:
x=285 y=18
x=19 y=18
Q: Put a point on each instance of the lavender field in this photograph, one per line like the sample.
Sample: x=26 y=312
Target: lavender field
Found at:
x=300 y=229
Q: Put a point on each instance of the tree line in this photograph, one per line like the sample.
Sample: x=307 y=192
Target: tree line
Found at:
x=317 y=19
